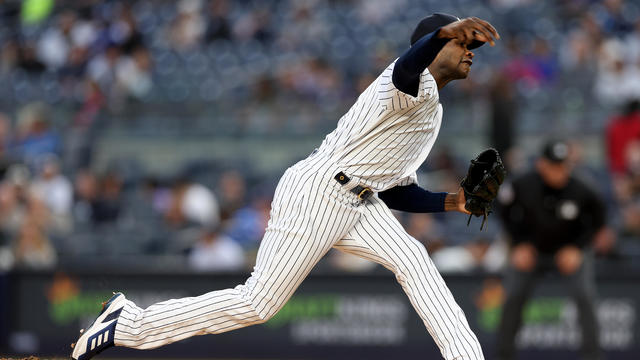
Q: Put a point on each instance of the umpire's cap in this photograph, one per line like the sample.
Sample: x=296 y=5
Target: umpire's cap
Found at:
x=556 y=150
x=433 y=22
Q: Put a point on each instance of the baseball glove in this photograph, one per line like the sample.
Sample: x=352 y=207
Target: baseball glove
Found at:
x=484 y=177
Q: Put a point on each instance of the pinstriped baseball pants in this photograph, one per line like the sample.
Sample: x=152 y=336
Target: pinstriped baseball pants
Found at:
x=310 y=214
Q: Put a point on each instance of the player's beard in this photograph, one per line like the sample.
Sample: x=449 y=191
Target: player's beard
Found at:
x=463 y=70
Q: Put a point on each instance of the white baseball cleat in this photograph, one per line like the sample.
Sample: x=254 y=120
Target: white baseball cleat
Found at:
x=99 y=335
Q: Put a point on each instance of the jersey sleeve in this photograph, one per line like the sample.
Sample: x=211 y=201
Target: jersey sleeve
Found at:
x=391 y=98
x=411 y=179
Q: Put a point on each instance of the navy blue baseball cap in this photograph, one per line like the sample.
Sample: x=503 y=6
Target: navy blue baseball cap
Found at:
x=433 y=22
x=556 y=150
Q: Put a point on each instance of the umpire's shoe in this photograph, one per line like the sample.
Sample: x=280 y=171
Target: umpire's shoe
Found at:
x=100 y=334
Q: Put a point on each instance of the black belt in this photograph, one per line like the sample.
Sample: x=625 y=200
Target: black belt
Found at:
x=363 y=192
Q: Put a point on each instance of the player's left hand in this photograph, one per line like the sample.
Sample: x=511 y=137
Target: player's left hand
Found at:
x=461 y=201
x=568 y=259
x=456 y=202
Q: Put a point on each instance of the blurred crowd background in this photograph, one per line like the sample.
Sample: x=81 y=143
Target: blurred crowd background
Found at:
x=152 y=133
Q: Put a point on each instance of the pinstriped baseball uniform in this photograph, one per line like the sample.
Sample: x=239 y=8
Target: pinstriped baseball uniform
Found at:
x=379 y=143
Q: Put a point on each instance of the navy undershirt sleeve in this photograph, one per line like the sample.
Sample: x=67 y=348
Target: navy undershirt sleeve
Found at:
x=409 y=66
x=413 y=198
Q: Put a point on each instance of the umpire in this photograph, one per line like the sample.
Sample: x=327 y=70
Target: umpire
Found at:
x=551 y=217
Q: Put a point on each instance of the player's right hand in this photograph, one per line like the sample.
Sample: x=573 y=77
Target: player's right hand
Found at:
x=469 y=29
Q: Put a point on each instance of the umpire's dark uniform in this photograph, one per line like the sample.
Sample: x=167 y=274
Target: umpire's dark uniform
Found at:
x=550 y=217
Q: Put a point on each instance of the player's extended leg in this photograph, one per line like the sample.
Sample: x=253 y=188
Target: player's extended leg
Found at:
x=378 y=236
x=310 y=212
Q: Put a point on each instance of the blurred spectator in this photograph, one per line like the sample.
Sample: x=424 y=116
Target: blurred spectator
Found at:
x=424 y=228
x=32 y=248
x=543 y=61
x=633 y=42
x=14 y=199
x=216 y=252
x=5 y=142
x=627 y=190
x=108 y=206
x=518 y=68
x=302 y=23
x=55 y=191
x=461 y=258
x=363 y=82
x=123 y=29
x=102 y=68
x=93 y=102
x=188 y=27
x=232 y=190
x=158 y=194
x=443 y=170
x=530 y=69
x=623 y=150
x=622 y=129
x=377 y=11
x=24 y=220
x=133 y=74
x=618 y=79
x=218 y=24
x=75 y=65
x=9 y=56
x=86 y=196
x=613 y=19
x=247 y=225
x=578 y=51
x=54 y=45
x=35 y=137
x=191 y=204
x=516 y=161
x=28 y=61
x=313 y=79
x=255 y=24
x=51 y=187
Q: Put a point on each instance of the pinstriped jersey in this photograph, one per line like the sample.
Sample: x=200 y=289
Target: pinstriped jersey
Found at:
x=387 y=134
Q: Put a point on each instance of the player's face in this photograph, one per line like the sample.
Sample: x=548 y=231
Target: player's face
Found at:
x=456 y=59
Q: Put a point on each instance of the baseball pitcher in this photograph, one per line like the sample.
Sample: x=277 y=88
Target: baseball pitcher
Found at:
x=341 y=197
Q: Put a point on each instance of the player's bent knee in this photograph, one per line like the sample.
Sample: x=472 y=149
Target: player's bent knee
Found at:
x=267 y=314
x=264 y=310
